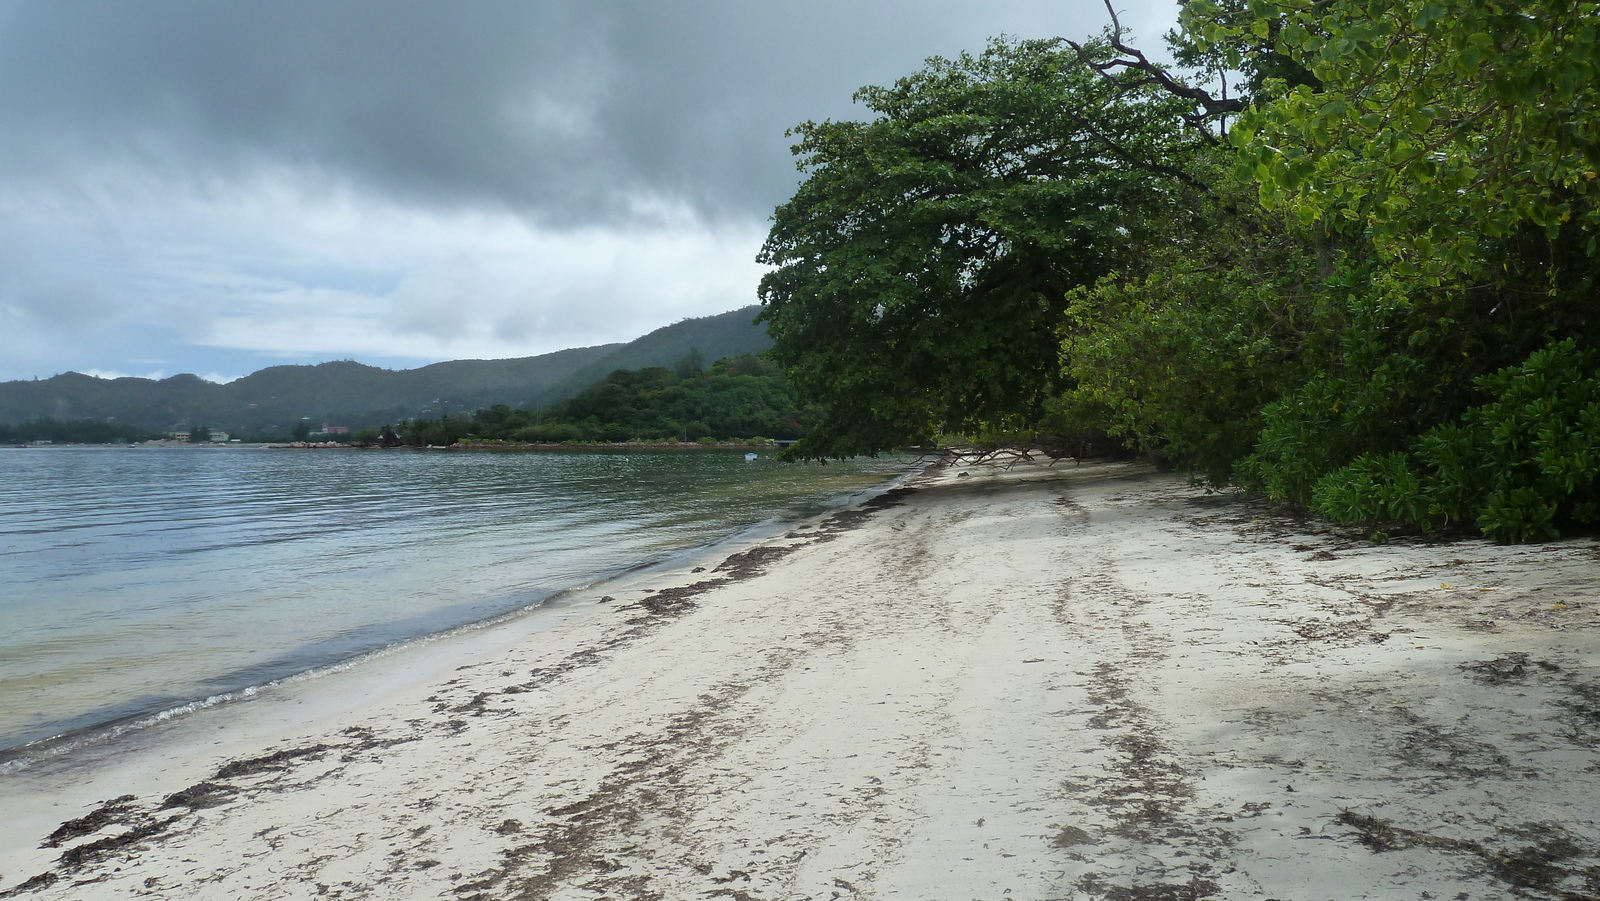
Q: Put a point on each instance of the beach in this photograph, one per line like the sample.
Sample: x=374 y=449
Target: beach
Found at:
x=1034 y=682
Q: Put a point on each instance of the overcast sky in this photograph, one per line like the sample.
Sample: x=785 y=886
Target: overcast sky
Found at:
x=214 y=187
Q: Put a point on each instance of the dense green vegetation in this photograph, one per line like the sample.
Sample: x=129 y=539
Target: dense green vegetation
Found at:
x=1368 y=286
x=74 y=431
x=924 y=266
x=743 y=397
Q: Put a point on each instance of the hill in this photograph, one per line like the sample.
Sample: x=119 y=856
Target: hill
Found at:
x=727 y=335
x=738 y=397
x=273 y=400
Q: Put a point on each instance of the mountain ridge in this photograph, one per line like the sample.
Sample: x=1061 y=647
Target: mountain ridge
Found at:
x=354 y=394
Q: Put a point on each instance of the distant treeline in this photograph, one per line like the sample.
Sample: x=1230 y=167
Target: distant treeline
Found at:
x=75 y=431
x=270 y=404
x=742 y=397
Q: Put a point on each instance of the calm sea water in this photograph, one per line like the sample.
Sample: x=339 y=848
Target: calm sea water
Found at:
x=136 y=581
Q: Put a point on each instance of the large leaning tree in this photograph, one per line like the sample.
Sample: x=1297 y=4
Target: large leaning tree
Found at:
x=922 y=269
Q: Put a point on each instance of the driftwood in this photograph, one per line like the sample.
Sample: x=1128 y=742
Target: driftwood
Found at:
x=1007 y=456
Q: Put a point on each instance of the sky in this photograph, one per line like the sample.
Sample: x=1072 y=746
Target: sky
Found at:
x=205 y=187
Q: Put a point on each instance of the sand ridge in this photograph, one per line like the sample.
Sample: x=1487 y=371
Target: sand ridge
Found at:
x=1038 y=682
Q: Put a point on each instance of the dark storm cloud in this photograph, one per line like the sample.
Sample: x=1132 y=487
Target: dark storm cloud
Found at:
x=574 y=110
x=213 y=186
x=419 y=99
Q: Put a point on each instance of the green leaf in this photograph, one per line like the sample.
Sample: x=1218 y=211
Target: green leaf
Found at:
x=1428 y=14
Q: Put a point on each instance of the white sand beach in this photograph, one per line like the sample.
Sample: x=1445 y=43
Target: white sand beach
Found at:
x=1057 y=682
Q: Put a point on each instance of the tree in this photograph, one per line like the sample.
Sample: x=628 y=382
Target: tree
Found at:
x=1450 y=131
x=690 y=364
x=1367 y=286
x=1237 y=39
x=922 y=268
x=200 y=434
x=1178 y=352
x=1444 y=155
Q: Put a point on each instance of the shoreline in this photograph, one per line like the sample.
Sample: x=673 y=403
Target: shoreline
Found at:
x=1073 y=682
x=37 y=798
x=767 y=446
x=66 y=744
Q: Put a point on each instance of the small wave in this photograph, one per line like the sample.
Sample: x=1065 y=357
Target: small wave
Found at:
x=441 y=570
x=23 y=756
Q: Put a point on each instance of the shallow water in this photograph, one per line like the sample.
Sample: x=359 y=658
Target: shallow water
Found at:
x=139 y=580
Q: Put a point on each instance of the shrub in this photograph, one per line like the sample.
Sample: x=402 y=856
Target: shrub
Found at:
x=1373 y=490
x=1528 y=458
x=1518 y=466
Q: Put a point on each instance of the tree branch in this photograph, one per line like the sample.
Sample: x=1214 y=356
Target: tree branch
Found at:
x=1146 y=165
x=1136 y=61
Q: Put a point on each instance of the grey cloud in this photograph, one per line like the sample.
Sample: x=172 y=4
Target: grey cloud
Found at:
x=224 y=184
x=405 y=99
x=565 y=110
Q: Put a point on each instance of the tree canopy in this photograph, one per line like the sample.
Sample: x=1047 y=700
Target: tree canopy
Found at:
x=73 y=431
x=922 y=269
x=1365 y=283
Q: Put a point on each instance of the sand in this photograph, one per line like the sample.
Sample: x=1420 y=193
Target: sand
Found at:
x=1087 y=682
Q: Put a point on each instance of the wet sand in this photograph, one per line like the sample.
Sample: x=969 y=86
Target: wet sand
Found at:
x=1038 y=683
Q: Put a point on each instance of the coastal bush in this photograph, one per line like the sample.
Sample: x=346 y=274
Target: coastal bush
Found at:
x=1369 y=288
x=1374 y=490
x=1518 y=466
x=1178 y=352
x=1527 y=460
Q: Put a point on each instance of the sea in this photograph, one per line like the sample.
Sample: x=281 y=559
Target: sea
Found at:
x=140 y=583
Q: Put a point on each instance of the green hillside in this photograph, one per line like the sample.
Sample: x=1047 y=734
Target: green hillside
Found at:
x=272 y=400
x=739 y=397
x=728 y=335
